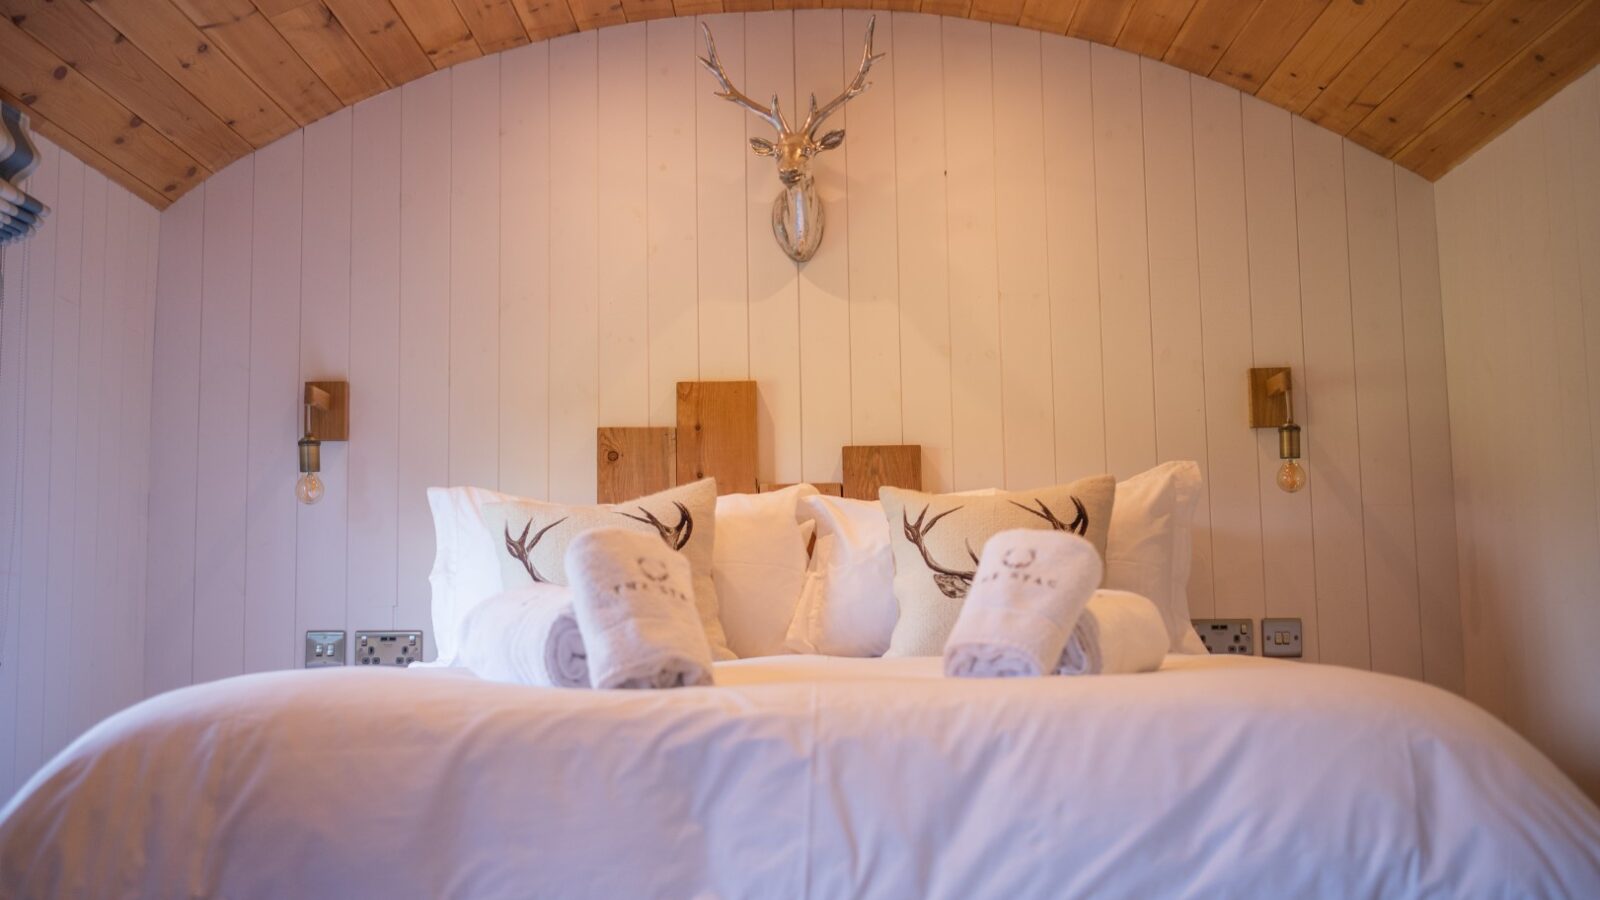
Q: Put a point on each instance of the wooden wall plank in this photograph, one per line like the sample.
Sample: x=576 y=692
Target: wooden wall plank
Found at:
x=1124 y=267
x=592 y=14
x=1333 y=40
x=275 y=413
x=1176 y=333
x=495 y=24
x=137 y=407
x=643 y=10
x=110 y=597
x=1272 y=31
x=574 y=259
x=474 y=439
x=1233 y=483
x=1378 y=319
x=1023 y=259
x=624 y=281
x=375 y=214
x=1288 y=560
x=440 y=29
x=978 y=451
x=668 y=211
x=321 y=530
x=717 y=434
x=242 y=32
x=1207 y=33
x=82 y=606
x=543 y=20
x=634 y=462
x=382 y=35
x=221 y=512
x=424 y=459
x=1153 y=25
x=774 y=289
x=923 y=251
x=874 y=289
x=1074 y=264
x=525 y=271
x=721 y=235
x=824 y=281
x=1101 y=21
x=12 y=366
x=321 y=40
x=1049 y=16
x=867 y=468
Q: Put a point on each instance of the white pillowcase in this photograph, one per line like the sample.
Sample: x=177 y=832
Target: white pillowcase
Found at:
x=848 y=608
x=759 y=566
x=465 y=569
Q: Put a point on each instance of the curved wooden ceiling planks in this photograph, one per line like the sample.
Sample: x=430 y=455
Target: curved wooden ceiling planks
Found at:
x=158 y=94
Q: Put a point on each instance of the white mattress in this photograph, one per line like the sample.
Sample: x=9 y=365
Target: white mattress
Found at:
x=805 y=777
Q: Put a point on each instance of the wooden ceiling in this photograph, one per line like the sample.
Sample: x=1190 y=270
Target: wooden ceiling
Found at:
x=158 y=94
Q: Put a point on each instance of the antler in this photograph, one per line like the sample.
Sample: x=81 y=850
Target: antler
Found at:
x=772 y=116
x=520 y=547
x=815 y=118
x=677 y=536
x=951 y=582
x=1079 y=525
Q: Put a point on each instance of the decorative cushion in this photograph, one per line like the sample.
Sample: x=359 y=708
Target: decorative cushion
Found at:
x=937 y=539
x=532 y=538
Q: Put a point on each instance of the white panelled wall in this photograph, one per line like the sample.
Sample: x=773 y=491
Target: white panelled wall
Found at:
x=1519 y=245
x=1043 y=259
x=75 y=364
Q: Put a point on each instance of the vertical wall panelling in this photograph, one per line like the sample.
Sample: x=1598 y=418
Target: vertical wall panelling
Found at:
x=119 y=317
x=574 y=258
x=774 y=291
x=271 y=527
x=82 y=611
x=1176 y=339
x=175 y=392
x=474 y=271
x=1021 y=239
x=975 y=397
x=1233 y=484
x=524 y=277
x=669 y=198
x=873 y=294
x=1378 y=321
x=13 y=323
x=922 y=245
x=145 y=223
x=1427 y=416
x=375 y=364
x=720 y=237
x=1330 y=413
x=624 y=170
x=38 y=279
x=424 y=459
x=1067 y=109
x=321 y=529
x=1271 y=228
x=221 y=506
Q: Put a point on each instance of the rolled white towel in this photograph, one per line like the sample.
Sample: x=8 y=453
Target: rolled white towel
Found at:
x=1027 y=594
x=526 y=636
x=634 y=600
x=1119 y=633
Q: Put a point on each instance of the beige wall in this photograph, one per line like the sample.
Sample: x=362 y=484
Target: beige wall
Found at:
x=1519 y=244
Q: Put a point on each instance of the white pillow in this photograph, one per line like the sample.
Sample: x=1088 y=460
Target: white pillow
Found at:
x=1152 y=536
x=465 y=568
x=847 y=607
x=759 y=565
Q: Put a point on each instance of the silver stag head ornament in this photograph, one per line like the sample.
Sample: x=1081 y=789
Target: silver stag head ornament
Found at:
x=797 y=211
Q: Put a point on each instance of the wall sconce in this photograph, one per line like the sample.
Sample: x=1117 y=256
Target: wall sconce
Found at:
x=327 y=418
x=1272 y=406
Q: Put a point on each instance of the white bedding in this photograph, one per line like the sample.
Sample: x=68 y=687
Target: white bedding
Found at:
x=805 y=777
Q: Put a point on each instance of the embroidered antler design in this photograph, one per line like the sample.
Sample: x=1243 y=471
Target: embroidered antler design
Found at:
x=1079 y=525
x=675 y=537
x=521 y=547
x=952 y=583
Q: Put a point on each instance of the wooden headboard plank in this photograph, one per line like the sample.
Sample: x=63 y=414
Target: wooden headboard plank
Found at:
x=633 y=462
x=868 y=468
x=717 y=434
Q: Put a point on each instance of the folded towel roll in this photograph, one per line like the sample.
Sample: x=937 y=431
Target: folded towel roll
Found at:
x=1028 y=592
x=526 y=636
x=634 y=601
x=1119 y=633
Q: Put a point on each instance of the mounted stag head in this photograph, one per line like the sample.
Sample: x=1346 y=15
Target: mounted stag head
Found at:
x=797 y=211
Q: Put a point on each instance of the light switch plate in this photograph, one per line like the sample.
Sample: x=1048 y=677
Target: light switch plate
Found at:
x=1281 y=638
x=1233 y=636
x=388 y=648
x=324 y=648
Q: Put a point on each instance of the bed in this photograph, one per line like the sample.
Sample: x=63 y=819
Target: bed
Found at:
x=805 y=776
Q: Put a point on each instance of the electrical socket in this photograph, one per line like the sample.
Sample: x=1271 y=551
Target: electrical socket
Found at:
x=388 y=648
x=324 y=648
x=1233 y=636
x=1280 y=638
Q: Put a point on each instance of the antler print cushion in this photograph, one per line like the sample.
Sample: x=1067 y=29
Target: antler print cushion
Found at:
x=937 y=539
x=531 y=538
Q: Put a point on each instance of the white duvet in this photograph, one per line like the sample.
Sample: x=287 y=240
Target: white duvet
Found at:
x=805 y=777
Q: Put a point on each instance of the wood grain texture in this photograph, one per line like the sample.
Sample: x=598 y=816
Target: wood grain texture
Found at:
x=382 y=35
x=1333 y=40
x=868 y=468
x=495 y=24
x=717 y=434
x=633 y=462
x=317 y=35
x=1271 y=33
x=439 y=29
x=1152 y=26
x=1207 y=33
x=241 y=31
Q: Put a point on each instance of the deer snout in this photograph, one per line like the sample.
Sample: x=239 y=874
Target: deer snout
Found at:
x=790 y=176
